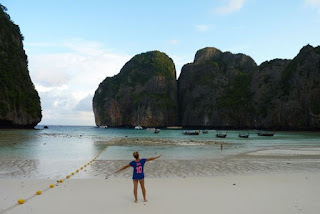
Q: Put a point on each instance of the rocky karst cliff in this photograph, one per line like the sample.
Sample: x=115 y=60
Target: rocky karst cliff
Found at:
x=225 y=90
x=287 y=92
x=219 y=89
x=215 y=90
x=143 y=93
x=19 y=101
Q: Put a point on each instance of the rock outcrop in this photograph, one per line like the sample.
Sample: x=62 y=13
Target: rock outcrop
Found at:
x=214 y=90
x=19 y=101
x=219 y=89
x=143 y=93
x=225 y=90
x=287 y=92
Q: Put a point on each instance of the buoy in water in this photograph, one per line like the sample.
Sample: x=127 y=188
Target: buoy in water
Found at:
x=20 y=201
x=51 y=185
x=60 y=181
x=68 y=176
x=38 y=192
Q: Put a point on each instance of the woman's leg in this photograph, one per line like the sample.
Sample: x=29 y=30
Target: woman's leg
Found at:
x=143 y=189
x=135 y=190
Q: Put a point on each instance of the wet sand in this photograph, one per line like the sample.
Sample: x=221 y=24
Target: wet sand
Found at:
x=269 y=180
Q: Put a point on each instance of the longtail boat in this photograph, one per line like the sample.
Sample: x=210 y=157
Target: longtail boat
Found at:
x=266 y=134
x=219 y=135
x=243 y=135
x=191 y=132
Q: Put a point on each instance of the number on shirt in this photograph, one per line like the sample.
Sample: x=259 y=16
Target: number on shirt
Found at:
x=139 y=169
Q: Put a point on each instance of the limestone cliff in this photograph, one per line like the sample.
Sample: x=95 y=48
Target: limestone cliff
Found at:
x=215 y=90
x=225 y=90
x=287 y=92
x=19 y=101
x=143 y=93
x=219 y=89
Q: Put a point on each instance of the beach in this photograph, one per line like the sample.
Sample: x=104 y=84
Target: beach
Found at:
x=256 y=175
x=212 y=106
x=283 y=194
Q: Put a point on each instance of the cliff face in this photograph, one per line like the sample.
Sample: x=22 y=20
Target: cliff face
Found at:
x=287 y=92
x=143 y=93
x=227 y=90
x=215 y=90
x=219 y=89
x=19 y=101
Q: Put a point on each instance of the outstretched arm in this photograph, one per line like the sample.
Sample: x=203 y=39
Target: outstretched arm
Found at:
x=126 y=166
x=153 y=158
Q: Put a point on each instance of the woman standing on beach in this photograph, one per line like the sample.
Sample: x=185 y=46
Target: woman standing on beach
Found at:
x=138 y=175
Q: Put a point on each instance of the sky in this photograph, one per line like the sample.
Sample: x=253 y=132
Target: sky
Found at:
x=73 y=45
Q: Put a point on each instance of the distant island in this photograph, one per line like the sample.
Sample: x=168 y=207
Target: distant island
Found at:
x=217 y=90
x=19 y=101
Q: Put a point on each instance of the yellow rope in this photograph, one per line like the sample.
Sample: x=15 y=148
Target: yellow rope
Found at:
x=39 y=192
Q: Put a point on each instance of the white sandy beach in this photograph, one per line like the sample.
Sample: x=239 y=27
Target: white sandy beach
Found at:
x=188 y=179
x=269 y=194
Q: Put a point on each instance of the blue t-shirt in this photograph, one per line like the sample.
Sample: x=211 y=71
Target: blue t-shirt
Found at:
x=138 y=169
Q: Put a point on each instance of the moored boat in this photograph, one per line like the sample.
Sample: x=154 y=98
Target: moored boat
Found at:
x=191 y=132
x=243 y=135
x=138 y=127
x=219 y=135
x=265 y=134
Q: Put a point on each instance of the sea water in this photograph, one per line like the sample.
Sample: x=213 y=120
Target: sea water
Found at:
x=57 y=151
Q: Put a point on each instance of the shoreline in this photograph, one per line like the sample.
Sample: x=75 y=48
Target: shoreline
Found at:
x=148 y=141
x=221 y=163
x=296 y=193
x=193 y=175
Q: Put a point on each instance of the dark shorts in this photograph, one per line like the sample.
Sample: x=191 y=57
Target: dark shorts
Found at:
x=139 y=177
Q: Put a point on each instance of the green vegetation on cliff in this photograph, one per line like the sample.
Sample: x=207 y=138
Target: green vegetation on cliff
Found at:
x=219 y=89
x=146 y=85
x=19 y=101
x=143 y=66
x=215 y=89
x=238 y=93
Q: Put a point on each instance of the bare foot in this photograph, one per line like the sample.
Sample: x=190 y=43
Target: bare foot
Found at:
x=145 y=200
x=135 y=201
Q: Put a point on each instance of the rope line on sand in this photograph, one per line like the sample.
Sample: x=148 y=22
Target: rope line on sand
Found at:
x=59 y=181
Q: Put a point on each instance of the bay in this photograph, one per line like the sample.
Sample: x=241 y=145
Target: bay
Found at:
x=61 y=150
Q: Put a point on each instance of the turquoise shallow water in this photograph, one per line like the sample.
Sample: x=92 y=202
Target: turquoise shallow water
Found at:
x=53 y=152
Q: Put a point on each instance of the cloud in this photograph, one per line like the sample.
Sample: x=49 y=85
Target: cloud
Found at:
x=53 y=117
x=67 y=80
x=313 y=3
x=202 y=28
x=49 y=74
x=229 y=6
x=85 y=104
